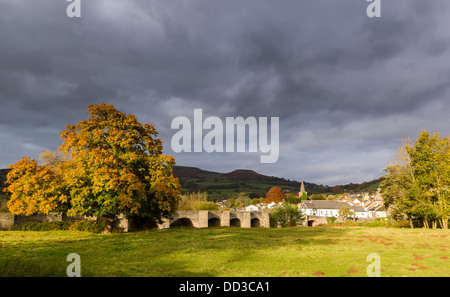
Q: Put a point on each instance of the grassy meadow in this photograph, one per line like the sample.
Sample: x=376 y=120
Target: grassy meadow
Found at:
x=222 y=251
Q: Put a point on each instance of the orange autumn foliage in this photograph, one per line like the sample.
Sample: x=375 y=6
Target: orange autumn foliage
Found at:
x=117 y=167
x=275 y=194
x=34 y=189
x=114 y=165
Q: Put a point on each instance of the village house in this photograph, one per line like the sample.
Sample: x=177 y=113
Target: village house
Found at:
x=271 y=205
x=330 y=208
x=322 y=208
x=252 y=208
x=356 y=202
x=376 y=209
x=360 y=212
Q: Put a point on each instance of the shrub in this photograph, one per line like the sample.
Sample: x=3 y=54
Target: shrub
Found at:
x=400 y=224
x=207 y=206
x=89 y=226
x=377 y=223
x=350 y=223
x=331 y=220
x=273 y=220
x=286 y=215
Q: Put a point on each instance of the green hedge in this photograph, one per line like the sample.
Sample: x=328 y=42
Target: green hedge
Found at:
x=47 y=226
x=84 y=225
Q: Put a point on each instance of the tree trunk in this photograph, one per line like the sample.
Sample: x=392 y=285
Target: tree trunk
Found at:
x=411 y=224
x=444 y=223
x=111 y=223
x=434 y=224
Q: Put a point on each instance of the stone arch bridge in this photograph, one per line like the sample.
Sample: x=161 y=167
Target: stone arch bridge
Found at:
x=216 y=218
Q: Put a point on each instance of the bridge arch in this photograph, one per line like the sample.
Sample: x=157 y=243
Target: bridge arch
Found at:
x=255 y=223
x=214 y=222
x=182 y=222
x=206 y=218
x=235 y=222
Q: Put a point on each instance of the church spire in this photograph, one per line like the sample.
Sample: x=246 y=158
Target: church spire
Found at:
x=302 y=190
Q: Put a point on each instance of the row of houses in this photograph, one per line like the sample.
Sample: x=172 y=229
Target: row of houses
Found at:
x=330 y=208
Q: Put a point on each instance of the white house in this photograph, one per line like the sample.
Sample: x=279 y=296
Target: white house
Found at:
x=272 y=205
x=356 y=202
x=361 y=212
x=323 y=208
x=251 y=208
x=330 y=208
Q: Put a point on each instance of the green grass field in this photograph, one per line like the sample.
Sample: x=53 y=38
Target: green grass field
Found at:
x=210 y=252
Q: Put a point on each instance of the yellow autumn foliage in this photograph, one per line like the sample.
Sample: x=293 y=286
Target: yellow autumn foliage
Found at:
x=34 y=189
x=113 y=165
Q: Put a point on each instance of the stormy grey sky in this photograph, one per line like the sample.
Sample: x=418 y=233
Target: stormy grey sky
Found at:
x=347 y=88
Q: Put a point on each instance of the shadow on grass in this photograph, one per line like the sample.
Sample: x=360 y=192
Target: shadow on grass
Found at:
x=177 y=252
x=16 y=267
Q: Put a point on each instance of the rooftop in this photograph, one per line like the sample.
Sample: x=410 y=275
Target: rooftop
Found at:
x=324 y=204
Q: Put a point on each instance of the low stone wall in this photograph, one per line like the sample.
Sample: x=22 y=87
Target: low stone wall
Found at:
x=41 y=218
x=312 y=221
x=6 y=221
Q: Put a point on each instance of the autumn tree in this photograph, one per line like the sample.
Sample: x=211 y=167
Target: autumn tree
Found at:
x=230 y=202
x=242 y=199
x=256 y=201
x=117 y=167
x=34 y=189
x=196 y=200
x=430 y=162
x=275 y=194
x=417 y=185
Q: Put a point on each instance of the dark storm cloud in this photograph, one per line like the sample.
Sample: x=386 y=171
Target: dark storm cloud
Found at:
x=347 y=88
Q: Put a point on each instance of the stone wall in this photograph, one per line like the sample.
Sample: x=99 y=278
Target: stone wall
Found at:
x=41 y=218
x=6 y=221
x=312 y=221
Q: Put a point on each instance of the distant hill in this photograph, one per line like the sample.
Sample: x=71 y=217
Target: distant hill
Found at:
x=224 y=185
x=243 y=173
x=255 y=185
